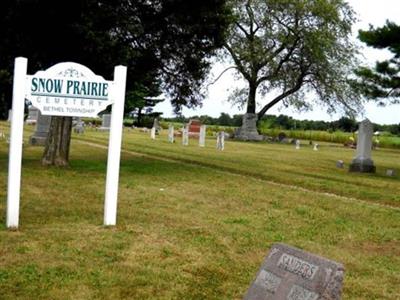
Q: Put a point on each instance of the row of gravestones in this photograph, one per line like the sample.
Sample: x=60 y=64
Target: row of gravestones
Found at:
x=42 y=128
x=185 y=136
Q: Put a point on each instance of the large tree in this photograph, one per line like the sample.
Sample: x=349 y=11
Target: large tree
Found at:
x=381 y=82
x=164 y=43
x=288 y=48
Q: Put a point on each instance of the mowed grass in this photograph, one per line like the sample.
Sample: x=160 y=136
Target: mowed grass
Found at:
x=194 y=223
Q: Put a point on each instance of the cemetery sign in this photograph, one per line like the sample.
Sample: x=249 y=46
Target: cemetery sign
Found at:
x=69 y=89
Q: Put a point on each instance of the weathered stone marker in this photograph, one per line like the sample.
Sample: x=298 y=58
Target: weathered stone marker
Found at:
x=39 y=137
x=292 y=274
x=297 y=144
x=363 y=162
x=185 y=135
x=202 y=136
x=105 y=122
x=221 y=140
x=153 y=133
x=340 y=164
x=171 y=133
x=33 y=115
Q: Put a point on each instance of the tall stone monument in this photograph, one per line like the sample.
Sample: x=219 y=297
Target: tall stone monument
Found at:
x=39 y=137
x=171 y=133
x=202 y=136
x=248 y=131
x=363 y=162
x=153 y=133
x=185 y=135
x=156 y=125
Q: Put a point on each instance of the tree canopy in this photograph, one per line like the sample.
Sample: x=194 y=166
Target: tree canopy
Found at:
x=381 y=82
x=288 y=48
x=164 y=43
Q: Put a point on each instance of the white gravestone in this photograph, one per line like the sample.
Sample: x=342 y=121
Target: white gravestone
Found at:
x=153 y=133
x=171 y=133
x=316 y=147
x=297 y=144
x=185 y=135
x=221 y=140
x=202 y=136
x=363 y=162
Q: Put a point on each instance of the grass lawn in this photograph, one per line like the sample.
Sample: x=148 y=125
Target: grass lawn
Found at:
x=194 y=223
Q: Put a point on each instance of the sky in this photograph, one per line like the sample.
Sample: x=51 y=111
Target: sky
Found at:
x=374 y=12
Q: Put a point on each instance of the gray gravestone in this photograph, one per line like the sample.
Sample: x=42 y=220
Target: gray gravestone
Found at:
x=156 y=125
x=171 y=133
x=292 y=274
x=221 y=140
x=363 y=162
x=79 y=127
x=248 y=130
x=106 y=122
x=185 y=135
x=39 y=137
x=340 y=164
x=202 y=136
x=390 y=172
x=33 y=115
x=9 y=115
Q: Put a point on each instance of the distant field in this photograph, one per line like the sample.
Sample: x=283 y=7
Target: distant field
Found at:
x=195 y=223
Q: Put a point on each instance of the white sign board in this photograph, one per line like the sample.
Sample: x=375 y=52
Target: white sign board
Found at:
x=69 y=89
x=66 y=89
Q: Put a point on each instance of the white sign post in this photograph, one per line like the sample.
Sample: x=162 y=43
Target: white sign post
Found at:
x=66 y=89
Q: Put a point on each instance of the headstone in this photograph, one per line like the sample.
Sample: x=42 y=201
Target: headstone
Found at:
x=248 y=130
x=390 y=172
x=194 y=128
x=363 y=162
x=297 y=144
x=39 y=137
x=106 y=122
x=221 y=141
x=9 y=115
x=316 y=147
x=153 y=133
x=33 y=115
x=156 y=125
x=202 y=137
x=292 y=274
x=185 y=135
x=79 y=127
x=340 y=164
x=171 y=133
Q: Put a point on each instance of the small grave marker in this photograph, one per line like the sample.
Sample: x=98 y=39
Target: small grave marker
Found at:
x=221 y=140
x=316 y=147
x=185 y=135
x=202 y=136
x=297 y=144
x=153 y=133
x=340 y=164
x=390 y=172
x=171 y=133
x=293 y=274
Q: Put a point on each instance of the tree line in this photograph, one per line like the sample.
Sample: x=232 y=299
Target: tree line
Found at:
x=285 y=122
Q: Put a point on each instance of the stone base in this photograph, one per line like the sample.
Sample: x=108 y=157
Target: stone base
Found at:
x=248 y=131
x=37 y=140
x=104 y=129
x=362 y=166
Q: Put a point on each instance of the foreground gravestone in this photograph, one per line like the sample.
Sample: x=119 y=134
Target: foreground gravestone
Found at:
x=171 y=133
x=297 y=144
x=363 y=162
x=390 y=172
x=39 y=137
x=316 y=147
x=202 y=136
x=292 y=274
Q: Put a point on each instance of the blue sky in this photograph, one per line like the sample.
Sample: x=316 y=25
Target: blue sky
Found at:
x=374 y=12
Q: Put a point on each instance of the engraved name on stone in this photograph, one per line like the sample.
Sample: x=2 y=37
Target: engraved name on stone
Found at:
x=299 y=293
x=268 y=281
x=297 y=266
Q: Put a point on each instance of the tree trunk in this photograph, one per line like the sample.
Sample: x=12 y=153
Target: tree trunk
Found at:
x=56 y=151
x=251 y=102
